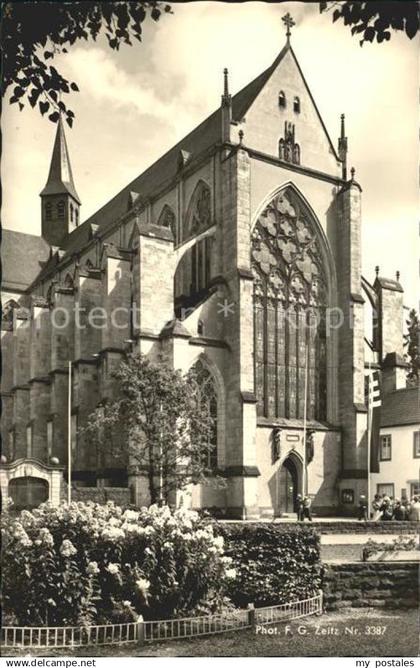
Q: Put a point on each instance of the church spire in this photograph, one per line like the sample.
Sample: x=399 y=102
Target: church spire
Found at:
x=60 y=201
x=60 y=177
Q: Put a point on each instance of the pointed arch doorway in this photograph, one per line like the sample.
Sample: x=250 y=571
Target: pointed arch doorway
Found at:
x=289 y=484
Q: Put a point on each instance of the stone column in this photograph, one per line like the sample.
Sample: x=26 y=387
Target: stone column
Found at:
x=59 y=413
x=390 y=318
x=116 y=297
x=6 y=388
x=352 y=409
x=39 y=413
x=21 y=366
x=241 y=464
x=153 y=276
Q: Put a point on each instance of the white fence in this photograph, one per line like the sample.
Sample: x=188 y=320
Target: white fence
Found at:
x=158 y=630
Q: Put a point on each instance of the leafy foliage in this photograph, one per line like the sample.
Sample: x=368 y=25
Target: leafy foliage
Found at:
x=400 y=544
x=159 y=423
x=88 y=563
x=34 y=32
x=374 y=20
x=412 y=343
x=272 y=566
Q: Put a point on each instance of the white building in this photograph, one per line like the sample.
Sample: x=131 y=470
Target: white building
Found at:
x=399 y=455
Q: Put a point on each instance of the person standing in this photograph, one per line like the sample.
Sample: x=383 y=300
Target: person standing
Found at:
x=387 y=509
x=363 y=508
x=299 y=507
x=400 y=511
x=376 y=506
x=307 y=502
x=414 y=513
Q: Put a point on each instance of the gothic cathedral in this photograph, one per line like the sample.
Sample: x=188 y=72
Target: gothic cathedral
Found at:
x=241 y=250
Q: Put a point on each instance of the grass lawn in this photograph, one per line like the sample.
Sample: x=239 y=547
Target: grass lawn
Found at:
x=355 y=632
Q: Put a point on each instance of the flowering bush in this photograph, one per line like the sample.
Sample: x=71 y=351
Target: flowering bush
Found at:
x=89 y=563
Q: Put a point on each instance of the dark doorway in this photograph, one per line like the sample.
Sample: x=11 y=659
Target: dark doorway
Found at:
x=28 y=492
x=288 y=486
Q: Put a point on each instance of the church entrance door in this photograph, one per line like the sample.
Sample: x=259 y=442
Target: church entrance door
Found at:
x=288 y=485
x=28 y=492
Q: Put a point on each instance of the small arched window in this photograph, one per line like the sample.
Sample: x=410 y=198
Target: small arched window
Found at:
x=76 y=216
x=296 y=154
x=200 y=328
x=282 y=100
x=71 y=212
x=48 y=211
x=60 y=209
x=296 y=105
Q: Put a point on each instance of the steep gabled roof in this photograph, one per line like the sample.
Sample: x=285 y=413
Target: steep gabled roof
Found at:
x=401 y=407
x=204 y=137
x=60 y=177
x=23 y=256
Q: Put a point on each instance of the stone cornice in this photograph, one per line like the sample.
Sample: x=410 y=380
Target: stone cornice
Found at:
x=248 y=398
x=295 y=424
x=40 y=379
x=21 y=387
x=307 y=171
x=240 y=471
x=207 y=341
x=245 y=273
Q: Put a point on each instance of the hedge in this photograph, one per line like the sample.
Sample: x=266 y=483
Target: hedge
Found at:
x=272 y=566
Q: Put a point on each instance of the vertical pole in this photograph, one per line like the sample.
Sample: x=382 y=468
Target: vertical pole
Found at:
x=369 y=425
x=69 y=439
x=305 y=403
x=160 y=464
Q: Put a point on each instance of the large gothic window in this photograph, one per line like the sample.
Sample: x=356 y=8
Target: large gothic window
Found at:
x=207 y=396
x=198 y=217
x=290 y=298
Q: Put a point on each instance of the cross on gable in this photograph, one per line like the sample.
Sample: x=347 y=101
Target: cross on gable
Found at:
x=289 y=23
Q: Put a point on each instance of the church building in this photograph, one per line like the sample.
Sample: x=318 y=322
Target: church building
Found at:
x=239 y=252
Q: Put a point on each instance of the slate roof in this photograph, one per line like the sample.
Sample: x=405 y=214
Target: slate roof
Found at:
x=23 y=256
x=203 y=137
x=401 y=407
x=60 y=177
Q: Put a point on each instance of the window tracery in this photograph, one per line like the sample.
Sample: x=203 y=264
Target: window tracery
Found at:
x=290 y=298
x=205 y=389
x=199 y=215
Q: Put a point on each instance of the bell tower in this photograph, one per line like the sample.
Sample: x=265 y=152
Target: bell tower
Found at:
x=60 y=203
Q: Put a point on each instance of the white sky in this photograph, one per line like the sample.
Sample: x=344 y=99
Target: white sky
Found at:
x=136 y=103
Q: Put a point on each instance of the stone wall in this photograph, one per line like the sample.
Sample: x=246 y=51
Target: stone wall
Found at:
x=375 y=584
x=341 y=527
